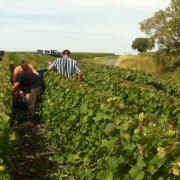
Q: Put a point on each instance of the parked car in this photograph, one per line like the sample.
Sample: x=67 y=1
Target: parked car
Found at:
x=53 y=53
x=40 y=51
x=1 y=55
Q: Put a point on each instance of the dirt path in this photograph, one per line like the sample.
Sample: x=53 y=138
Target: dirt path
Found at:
x=111 y=62
x=116 y=62
x=121 y=59
x=31 y=159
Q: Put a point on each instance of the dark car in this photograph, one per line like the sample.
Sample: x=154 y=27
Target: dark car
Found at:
x=55 y=53
x=1 y=55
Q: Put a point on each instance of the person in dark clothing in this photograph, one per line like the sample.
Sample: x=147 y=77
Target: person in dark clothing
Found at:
x=1 y=55
x=11 y=68
x=31 y=86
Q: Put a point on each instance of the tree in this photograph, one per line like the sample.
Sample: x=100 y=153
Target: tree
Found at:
x=164 y=28
x=142 y=44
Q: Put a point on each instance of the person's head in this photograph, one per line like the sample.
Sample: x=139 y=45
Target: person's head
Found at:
x=11 y=67
x=66 y=53
x=24 y=65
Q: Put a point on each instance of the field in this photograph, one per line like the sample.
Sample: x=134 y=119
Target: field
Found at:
x=144 y=63
x=117 y=123
x=147 y=62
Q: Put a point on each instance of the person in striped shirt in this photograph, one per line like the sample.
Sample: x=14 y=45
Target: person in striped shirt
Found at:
x=66 y=65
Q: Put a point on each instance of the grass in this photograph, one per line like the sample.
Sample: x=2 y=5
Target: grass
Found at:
x=100 y=60
x=171 y=76
x=86 y=55
x=144 y=63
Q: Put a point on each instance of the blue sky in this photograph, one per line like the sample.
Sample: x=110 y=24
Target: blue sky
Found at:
x=79 y=25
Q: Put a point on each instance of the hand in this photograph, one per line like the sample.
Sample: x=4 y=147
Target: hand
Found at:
x=27 y=96
x=80 y=77
x=21 y=93
x=49 y=66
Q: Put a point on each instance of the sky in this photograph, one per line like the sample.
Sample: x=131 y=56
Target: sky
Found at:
x=78 y=25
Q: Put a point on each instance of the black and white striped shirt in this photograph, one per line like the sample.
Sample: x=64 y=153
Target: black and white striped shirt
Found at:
x=67 y=67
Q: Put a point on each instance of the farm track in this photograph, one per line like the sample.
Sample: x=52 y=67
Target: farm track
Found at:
x=111 y=62
x=117 y=61
x=31 y=161
x=121 y=59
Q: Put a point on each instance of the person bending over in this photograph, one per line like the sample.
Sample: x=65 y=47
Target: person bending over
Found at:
x=32 y=83
x=23 y=67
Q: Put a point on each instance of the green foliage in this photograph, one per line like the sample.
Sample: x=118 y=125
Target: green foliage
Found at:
x=112 y=125
x=7 y=135
x=170 y=62
x=13 y=58
x=172 y=76
x=164 y=26
x=142 y=44
x=106 y=127
x=123 y=75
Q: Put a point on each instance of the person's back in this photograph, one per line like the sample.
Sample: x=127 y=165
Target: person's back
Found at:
x=29 y=79
x=31 y=86
x=24 y=67
x=66 y=65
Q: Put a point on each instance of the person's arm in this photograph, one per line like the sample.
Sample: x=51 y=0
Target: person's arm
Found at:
x=32 y=69
x=78 y=71
x=52 y=65
x=17 y=82
x=80 y=76
x=15 y=74
x=49 y=66
x=15 y=86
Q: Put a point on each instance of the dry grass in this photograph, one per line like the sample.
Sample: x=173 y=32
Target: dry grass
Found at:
x=100 y=60
x=142 y=63
x=171 y=76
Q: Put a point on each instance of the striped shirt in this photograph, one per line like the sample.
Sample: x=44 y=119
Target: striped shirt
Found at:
x=67 y=67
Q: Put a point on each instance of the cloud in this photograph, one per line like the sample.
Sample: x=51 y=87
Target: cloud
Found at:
x=45 y=7
x=107 y=25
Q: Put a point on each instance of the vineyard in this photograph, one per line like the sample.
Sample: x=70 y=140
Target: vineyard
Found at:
x=115 y=124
